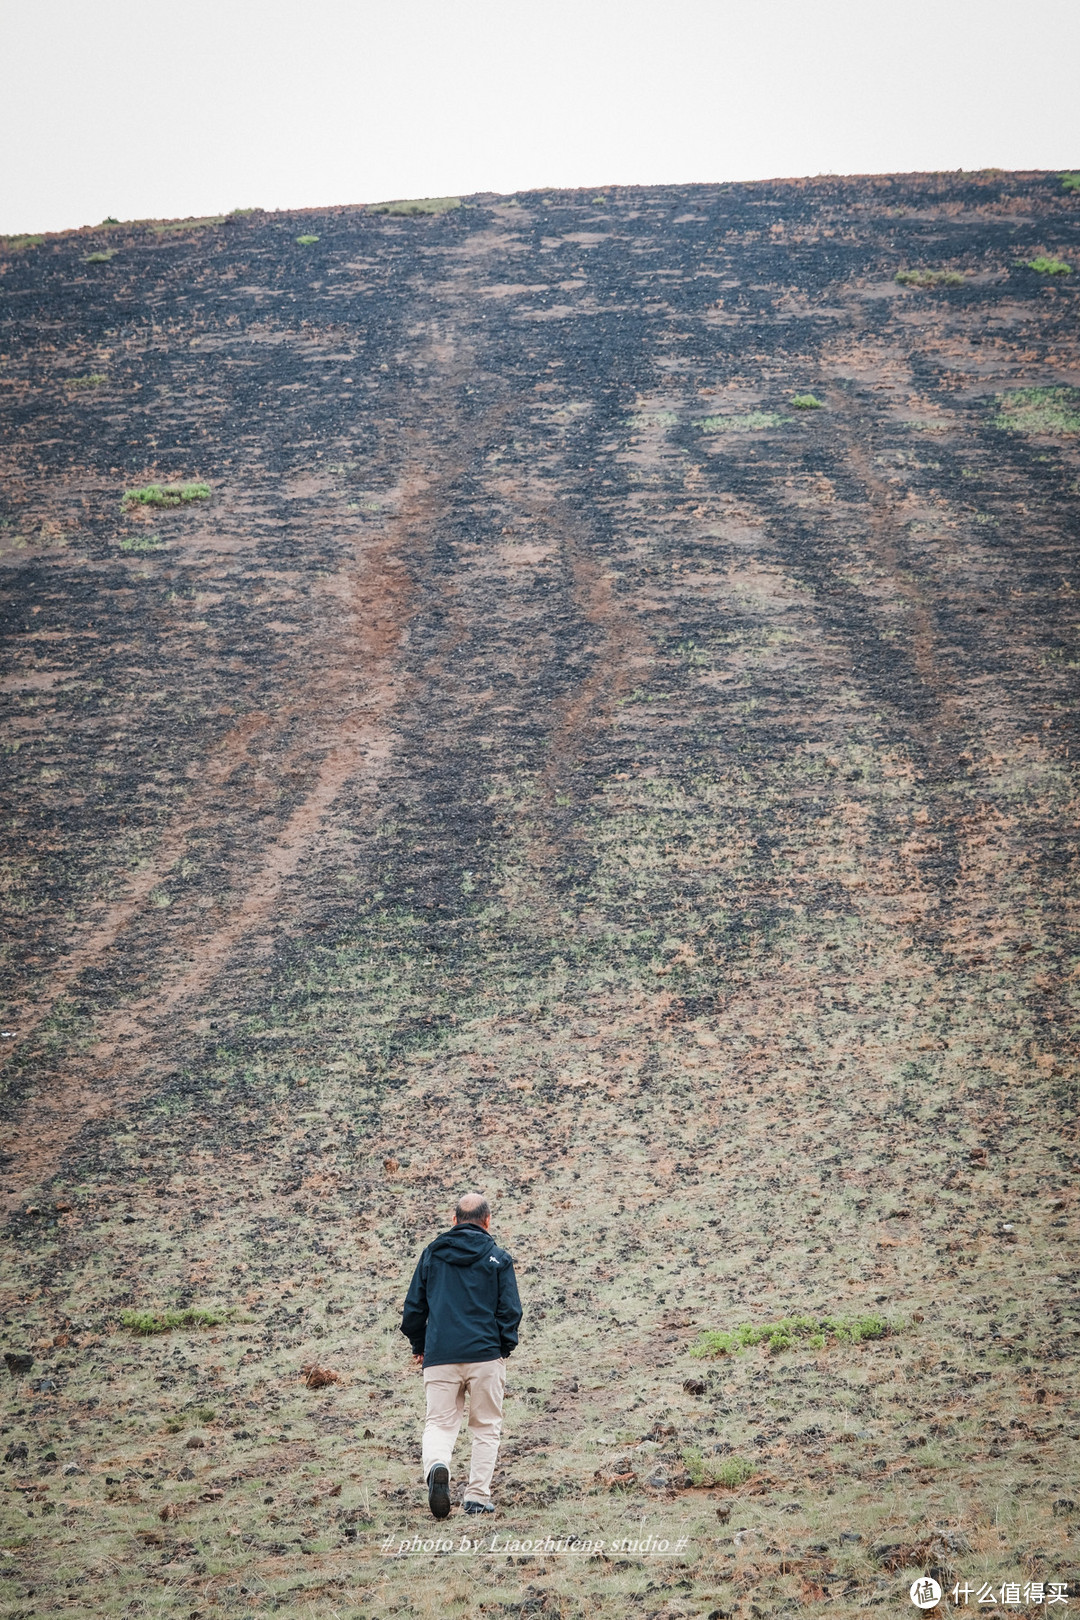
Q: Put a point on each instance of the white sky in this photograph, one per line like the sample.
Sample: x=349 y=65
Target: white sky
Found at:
x=166 y=108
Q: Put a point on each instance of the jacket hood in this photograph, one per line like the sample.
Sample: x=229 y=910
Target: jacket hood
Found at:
x=462 y=1246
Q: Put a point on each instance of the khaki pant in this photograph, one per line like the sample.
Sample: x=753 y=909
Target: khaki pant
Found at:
x=445 y=1388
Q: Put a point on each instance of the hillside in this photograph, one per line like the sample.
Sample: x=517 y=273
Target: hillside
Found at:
x=596 y=721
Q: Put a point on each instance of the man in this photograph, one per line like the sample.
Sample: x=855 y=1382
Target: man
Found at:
x=461 y=1317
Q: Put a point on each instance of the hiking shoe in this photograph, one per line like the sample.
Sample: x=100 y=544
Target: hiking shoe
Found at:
x=438 y=1491
x=479 y=1507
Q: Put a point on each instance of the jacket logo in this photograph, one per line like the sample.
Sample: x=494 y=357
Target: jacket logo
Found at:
x=494 y=1259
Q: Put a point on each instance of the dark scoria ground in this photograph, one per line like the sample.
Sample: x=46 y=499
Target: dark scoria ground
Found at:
x=549 y=761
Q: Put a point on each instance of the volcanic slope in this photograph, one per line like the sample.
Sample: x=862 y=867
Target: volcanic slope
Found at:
x=599 y=726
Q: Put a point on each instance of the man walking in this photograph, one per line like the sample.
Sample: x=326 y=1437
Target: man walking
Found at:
x=461 y=1317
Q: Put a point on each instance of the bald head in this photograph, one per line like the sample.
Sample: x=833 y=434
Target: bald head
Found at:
x=472 y=1209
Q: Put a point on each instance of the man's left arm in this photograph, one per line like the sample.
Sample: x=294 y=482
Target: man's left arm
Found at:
x=508 y=1309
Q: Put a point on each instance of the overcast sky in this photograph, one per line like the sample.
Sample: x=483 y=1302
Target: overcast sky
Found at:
x=167 y=108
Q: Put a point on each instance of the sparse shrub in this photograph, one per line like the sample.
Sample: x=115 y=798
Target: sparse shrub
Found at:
x=307 y=241
x=19 y=244
x=694 y=1463
x=142 y=542
x=417 y=205
x=807 y=402
x=733 y=1472
x=1070 y=181
x=812 y=1331
x=1039 y=410
x=1048 y=267
x=166 y=495
x=145 y=1323
x=929 y=278
x=109 y=220
x=101 y=257
x=93 y=379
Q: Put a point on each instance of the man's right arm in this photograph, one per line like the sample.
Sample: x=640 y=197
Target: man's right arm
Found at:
x=415 y=1315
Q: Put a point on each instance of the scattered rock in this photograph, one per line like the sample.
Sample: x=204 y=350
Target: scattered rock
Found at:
x=694 y=1386
x=16 y=1452
x=316 y=1377
x=849 y=1538
x=1063 y=1507
x=723 y=1513
x=17 y=1362
x=390 y=1166
x=212 y=1495
x=195 y=1442
x=185 y=1473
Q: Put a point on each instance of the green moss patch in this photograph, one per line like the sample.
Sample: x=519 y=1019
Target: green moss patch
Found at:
x=166 y=226
x=812 y=1331
x=19 y=244
x=1039 y=410
x=418 y=205
x=102 y=257
x=1048 y=267
x=146 y=1323
x=142 y=542
x=751 y=422
x=929 y=278
x=166 y=495
x=307 y=241
x=1070 y=181
x=93 y=379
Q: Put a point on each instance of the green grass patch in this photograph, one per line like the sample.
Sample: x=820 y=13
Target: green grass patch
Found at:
x=166 y=226
x=19 y=244
x=142 y=542
x=812 y=1331
x=101 y=257
x=166 y=495
x=807 y=402
x=929 y=278
x=176 y=1422
x=417 y=205
x=146 y=1323
x=93 y=379
x=1070 y=181
x=1047 y=267
x=307 y=241
x=1039 y=410
x=751 y=422
x=733 y=1472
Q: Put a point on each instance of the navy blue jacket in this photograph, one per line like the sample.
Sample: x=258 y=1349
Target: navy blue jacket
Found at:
x=462 y=1303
